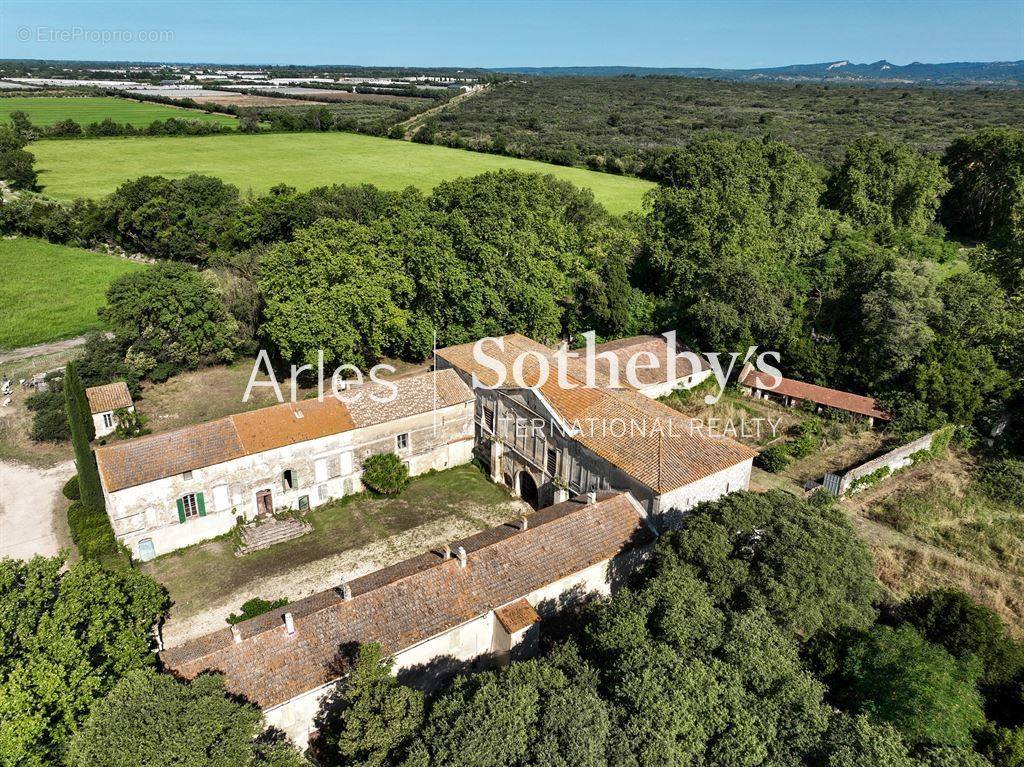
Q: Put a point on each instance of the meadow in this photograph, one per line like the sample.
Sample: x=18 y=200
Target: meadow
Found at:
x=257 y=162
x=44 y=111
x=49 y=292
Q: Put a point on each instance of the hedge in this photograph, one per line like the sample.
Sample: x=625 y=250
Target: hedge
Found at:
x=70 y=489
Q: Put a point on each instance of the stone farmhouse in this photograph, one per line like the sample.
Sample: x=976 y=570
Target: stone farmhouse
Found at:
x=548 y=441
x=473 y=603
x=170 y=490
x=104 y=402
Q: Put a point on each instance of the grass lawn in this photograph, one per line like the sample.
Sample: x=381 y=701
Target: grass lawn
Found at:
x=206 y=573
x=43 y=110
x=49 y=292
x=303 y=160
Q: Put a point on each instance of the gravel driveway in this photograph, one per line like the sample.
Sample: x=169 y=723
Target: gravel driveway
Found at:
x=32 y=519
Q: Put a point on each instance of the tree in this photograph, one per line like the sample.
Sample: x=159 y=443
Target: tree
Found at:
x=16 y=166
x=802 y=563
x=887 y=183
x=85 y=461
x=897 y=677
x=986 y=199
x=179 y=219
x=169 y=317
x=896 y=320
x=339 y=287
x=726 y=237
x=73 y=387
x=853 y=741
x=66 y=637
x=529 y=713
x=373 y=720
x=150 y=720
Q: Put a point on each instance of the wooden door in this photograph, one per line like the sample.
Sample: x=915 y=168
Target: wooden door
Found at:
x=264 y=503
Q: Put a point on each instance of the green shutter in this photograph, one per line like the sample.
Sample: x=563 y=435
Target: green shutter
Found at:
x=181 y=511
x=202 y=504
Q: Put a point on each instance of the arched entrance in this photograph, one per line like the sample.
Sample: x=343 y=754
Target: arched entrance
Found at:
x=527 y=488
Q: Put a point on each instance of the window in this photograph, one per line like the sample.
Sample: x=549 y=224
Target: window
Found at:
x=303 y=502
x=488 y=417
x=320 y=470
x=108 y=420
x=552 y=465
x=402 y=441
x=191 y=506
x=186 y=475
x=321 y=493
x=289 y=479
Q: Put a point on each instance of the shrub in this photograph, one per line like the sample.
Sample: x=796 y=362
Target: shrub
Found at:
x=1003 y=480
x=803 y=446
x=92 y=534
x=50 y=425
x=385 y=473
x=774 y=459
x=255 y=606
x=130 y=423
x=70 y=489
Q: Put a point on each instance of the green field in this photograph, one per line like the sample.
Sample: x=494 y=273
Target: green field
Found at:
x=302 y=160
x=49 y=292
x=43 y=110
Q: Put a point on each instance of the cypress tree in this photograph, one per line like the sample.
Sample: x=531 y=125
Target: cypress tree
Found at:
x=88 y=476
x=74 y=383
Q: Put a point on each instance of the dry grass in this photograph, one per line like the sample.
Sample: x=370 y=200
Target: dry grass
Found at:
x=931 y=526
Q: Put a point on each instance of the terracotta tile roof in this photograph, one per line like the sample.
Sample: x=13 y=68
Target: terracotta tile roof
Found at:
x=108 y=397
x=416 y=394
x=648 y=440
x=650 y=346
x=287 y=424
x=516 y=616
x=146 y=459
x=137 y=461
x=834 y=398
x=412 y=601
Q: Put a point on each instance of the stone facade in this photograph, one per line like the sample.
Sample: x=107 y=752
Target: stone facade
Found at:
x=147 y=518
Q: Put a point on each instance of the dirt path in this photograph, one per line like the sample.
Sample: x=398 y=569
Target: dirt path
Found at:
x=32 y=519
x=11 y=355
x=325 y=573
x=415 y=121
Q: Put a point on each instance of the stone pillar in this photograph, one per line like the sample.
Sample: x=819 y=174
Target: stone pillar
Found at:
x=561 y=495
x=497 y=451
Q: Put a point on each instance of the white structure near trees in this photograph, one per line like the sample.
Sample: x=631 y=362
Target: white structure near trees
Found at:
x=104 y=402
x=170 y=490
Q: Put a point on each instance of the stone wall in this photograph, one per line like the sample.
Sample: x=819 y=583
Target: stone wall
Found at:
x=894 y=460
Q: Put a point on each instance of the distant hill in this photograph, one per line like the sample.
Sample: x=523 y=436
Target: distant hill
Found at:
x=995 y=73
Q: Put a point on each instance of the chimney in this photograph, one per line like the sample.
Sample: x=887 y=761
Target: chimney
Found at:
x=591 y=497
x=346 y=590
x=524 y=523
x=447 y=551
x=236 y=634
x=289 y=623
x=460 y=552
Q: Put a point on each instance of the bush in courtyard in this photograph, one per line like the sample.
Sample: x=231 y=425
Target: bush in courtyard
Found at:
x=253 y=607
x=50 y=424
x=130 y=423
x=385 y=473
x=774 y=459
x=70 y=489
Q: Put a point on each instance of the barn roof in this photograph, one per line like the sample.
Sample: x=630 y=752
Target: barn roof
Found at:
x=407 y=603
x=834 y=398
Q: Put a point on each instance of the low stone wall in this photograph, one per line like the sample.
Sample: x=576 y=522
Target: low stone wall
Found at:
x=894 y=460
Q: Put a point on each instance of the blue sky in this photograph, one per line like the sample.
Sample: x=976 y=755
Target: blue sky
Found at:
x=513 y=33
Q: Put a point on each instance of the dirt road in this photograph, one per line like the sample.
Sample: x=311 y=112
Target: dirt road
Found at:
x=32 y=519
